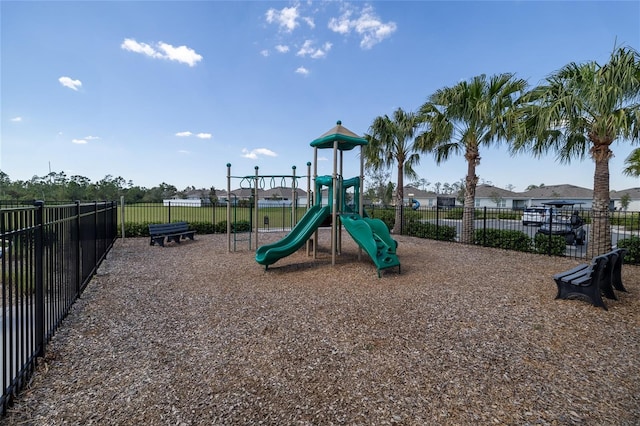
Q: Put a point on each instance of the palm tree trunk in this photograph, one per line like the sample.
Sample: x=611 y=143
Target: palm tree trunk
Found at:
x=397 y=226
x=468 y=214
x=600 y=233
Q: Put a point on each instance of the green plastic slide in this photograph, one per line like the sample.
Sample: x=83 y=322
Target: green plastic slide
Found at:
x=312 y=219
x=373 y=236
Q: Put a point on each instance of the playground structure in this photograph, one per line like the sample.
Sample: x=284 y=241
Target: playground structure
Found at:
x=371 y=235
x=252 y=183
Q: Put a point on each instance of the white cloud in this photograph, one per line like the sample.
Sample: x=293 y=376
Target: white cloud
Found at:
x=368 y=25
x=133 y=46
x=254 y=153
x=16 y=119
x=70 y=83
x=200 y=135
x=182 y=151
x=182 y=54
x=309 y=22
x=282 y=48
x=308 y=49
x=286 y=18
x=302 y=70
x=85 y=140
x=264 y=52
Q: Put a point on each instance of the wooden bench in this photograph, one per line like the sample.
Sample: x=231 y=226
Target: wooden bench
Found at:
x=592 y=280
x=171 y=231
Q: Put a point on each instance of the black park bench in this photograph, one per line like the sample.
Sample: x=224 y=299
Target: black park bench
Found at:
x=171 y=231
x=592 y=280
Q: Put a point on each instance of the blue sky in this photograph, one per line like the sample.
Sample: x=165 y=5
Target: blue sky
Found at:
x=160 y=91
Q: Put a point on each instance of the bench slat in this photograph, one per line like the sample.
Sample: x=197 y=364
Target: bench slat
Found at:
x=172 y=231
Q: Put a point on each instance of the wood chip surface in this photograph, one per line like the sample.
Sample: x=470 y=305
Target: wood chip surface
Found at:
x=190 y=334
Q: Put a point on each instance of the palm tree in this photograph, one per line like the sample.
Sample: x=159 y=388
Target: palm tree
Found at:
x=633 y=164
x=464 y=117
x=392 y=142
x=582 y=109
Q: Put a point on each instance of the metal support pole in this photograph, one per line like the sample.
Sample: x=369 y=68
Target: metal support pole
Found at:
x=39 y=277
x=228 y=207
x=308 y=201
x=334 y=204
x=255 y=213
x=317 y=197
x=294 y=215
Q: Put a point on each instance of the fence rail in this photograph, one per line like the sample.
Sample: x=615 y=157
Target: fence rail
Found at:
x=48 y=255
x=492 y=227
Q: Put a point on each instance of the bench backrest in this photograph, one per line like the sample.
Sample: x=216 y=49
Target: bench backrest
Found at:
x=168 y=228
x=599 y=268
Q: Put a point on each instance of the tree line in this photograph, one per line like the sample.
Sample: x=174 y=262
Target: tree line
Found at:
x=57 y=186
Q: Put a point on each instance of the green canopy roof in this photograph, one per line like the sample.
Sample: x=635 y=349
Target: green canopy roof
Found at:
x=347 y=140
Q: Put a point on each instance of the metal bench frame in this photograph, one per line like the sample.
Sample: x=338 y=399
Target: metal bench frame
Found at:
x=174 y=231
x=591 y=281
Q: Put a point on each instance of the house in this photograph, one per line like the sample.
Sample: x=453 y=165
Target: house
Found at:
x=619 y=197
x=422 y=197
x=582 y=197
x=492 y=196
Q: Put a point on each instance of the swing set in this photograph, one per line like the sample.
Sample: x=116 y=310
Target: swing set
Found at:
x=253 y=183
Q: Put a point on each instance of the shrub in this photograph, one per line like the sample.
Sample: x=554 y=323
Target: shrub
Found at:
x=632 y=244
x=388 y=216
x=240 y=226
x=556 y=248
x=134 y=229
x=204 y=227
x=503 y=238
x=220 y=227
x=431 y=231
x=411 y=216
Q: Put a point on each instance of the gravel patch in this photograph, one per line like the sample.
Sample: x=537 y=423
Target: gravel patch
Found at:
x=190 y=334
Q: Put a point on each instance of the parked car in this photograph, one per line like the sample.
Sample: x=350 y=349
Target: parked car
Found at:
x=535 y=215
x=565 y=223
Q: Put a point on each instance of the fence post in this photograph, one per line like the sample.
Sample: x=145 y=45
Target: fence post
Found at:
x=549 y=246
x=78 y=251
x=484 y=225
x=122 y=215
x=169 y=219
x=39 y=277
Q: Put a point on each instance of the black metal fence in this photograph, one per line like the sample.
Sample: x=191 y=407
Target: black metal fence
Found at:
x=492 y=227
x=48 y=255
x=507 y=228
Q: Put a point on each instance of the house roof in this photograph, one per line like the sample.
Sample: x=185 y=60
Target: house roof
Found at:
x=559 y=191
x=282 y=192
x=490 y=191
x=634 y=193
x=419 y=193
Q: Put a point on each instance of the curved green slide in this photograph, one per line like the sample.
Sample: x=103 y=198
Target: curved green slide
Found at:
x=312 y=219
x=373 y=236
